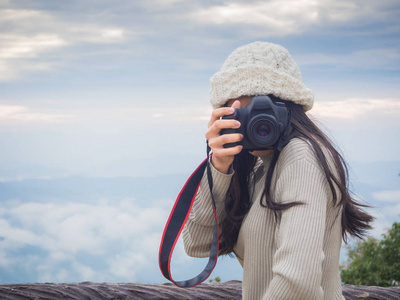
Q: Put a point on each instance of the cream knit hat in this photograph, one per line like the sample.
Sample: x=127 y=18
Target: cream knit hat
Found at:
x=260 y=68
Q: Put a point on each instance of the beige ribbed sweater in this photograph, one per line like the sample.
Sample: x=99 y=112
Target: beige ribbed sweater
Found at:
x=294 y=258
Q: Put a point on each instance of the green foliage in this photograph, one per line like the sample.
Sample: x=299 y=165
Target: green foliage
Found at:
x=216 y=279
x=374 y=262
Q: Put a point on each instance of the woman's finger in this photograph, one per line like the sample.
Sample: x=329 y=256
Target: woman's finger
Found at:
x=220 y=141
x=227 y=152
x=223 y=124
x=220 y=112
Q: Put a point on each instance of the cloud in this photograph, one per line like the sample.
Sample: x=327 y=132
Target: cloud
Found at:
x=11 y=114
x=129 y=119
x=280 y=18
x=42 y=40
x=392 y=212
x=388 y=196
x=35 y=33
x=95 y=34
x=157 y=3
x=354 y=11
x=123 y=234
x=350 y=109
x=384 y=216
x=16 y=49
x=370 y=59
x=25 y=23
x=15 y=46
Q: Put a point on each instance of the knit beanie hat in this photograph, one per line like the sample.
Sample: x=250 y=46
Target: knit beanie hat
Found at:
x=260 y=68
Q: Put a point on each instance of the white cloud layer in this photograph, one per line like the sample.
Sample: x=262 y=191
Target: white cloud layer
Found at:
x=123 y=234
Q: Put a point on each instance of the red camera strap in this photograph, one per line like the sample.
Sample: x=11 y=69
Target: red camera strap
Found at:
x=176 y=222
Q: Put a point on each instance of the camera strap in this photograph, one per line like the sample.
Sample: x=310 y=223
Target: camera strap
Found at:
x=285 y=138
x=177 y=220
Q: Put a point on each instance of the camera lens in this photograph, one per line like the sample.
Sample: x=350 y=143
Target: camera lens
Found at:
x=263 y=130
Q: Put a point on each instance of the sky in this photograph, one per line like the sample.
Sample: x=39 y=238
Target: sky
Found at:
x=120 y=89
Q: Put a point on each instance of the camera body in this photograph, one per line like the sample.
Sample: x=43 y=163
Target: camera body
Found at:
x=263 y=123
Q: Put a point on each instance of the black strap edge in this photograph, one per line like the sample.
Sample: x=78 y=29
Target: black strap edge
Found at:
x=175 y=225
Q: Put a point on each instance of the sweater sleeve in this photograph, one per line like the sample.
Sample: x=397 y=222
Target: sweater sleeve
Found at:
x=198 y=231
x=298 y=260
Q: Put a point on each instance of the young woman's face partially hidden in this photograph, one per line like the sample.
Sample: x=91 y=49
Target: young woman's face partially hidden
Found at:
x=240 y=103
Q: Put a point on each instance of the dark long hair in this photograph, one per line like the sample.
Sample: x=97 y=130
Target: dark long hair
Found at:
x=354 y=220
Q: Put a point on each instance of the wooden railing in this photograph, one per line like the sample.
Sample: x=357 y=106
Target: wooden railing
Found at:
x=136 y=291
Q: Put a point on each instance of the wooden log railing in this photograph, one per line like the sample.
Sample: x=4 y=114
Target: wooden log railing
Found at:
x=231 y=290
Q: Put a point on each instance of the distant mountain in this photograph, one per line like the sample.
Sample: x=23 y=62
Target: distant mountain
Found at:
x=366 y=179
x=91 y=189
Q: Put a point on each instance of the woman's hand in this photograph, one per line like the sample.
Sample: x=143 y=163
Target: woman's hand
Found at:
x=222 y=157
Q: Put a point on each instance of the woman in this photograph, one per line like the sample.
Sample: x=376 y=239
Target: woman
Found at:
x=282 y=213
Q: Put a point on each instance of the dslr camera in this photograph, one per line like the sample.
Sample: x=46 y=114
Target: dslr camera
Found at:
x=263 y=124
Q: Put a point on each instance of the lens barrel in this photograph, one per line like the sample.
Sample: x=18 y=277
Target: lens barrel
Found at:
x=262 y=130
